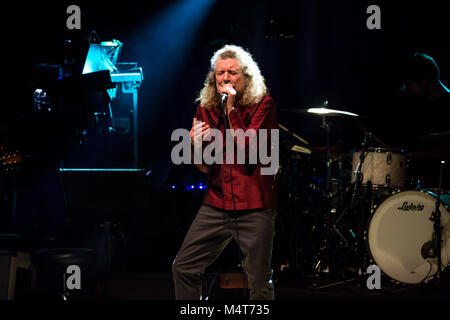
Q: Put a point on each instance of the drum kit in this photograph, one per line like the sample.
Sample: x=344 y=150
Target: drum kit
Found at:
x=365 y=211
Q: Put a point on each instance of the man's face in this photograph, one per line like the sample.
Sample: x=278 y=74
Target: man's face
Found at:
x=229 y=71
x=415 y=88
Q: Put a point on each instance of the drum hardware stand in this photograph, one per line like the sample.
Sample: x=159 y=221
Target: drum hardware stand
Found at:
x=358 y=175
x=362 y=200
x=436 y=218
x=356 y=244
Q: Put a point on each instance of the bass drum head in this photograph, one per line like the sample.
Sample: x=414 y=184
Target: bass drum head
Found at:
x=400 y=231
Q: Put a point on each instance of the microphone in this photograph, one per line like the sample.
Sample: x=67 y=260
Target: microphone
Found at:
x=224 y=97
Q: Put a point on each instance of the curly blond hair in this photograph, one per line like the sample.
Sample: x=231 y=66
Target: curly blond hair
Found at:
x=255 y=86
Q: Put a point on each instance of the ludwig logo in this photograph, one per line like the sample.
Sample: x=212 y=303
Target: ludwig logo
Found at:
x=411 y=206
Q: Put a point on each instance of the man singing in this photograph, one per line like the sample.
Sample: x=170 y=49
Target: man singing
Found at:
x=240 y=200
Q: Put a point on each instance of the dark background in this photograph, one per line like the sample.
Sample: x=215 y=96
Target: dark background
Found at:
x=308 y=51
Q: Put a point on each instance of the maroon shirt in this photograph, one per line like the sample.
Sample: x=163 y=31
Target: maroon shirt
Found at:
x=241 y=186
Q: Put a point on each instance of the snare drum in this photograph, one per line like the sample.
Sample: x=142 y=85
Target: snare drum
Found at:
x=400 y=234
x=383 y=168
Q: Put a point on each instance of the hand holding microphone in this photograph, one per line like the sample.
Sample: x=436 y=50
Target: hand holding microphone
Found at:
x=230 y=90
x=228 y=96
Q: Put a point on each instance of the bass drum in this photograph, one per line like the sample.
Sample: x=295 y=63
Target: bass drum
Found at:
x=400 y=234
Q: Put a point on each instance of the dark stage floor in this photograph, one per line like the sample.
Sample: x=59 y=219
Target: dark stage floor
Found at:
x=159 y=286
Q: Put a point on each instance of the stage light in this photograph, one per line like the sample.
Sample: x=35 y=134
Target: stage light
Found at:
x=162 y=43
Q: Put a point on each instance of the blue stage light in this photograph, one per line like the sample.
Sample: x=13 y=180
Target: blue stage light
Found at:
x=162 y=43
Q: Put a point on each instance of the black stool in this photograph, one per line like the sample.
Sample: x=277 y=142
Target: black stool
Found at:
x=53 y=270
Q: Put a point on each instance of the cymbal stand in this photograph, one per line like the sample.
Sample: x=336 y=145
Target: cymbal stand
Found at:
x=326 y=125
x=318 y=263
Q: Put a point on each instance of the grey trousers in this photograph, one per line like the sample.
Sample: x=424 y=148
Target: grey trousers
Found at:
x=209 y=234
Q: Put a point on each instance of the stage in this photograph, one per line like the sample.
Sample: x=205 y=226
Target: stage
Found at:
x=336 y=116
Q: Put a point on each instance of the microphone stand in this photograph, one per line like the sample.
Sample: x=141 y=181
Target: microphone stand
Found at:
x=358 y=176
x=367 y=142
x=224 y=111
x=436 y=218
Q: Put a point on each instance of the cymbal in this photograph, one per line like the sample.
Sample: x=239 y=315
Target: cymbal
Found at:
x=433 y=144
x=293 y=134
x=437 y=136
x=322 y=112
